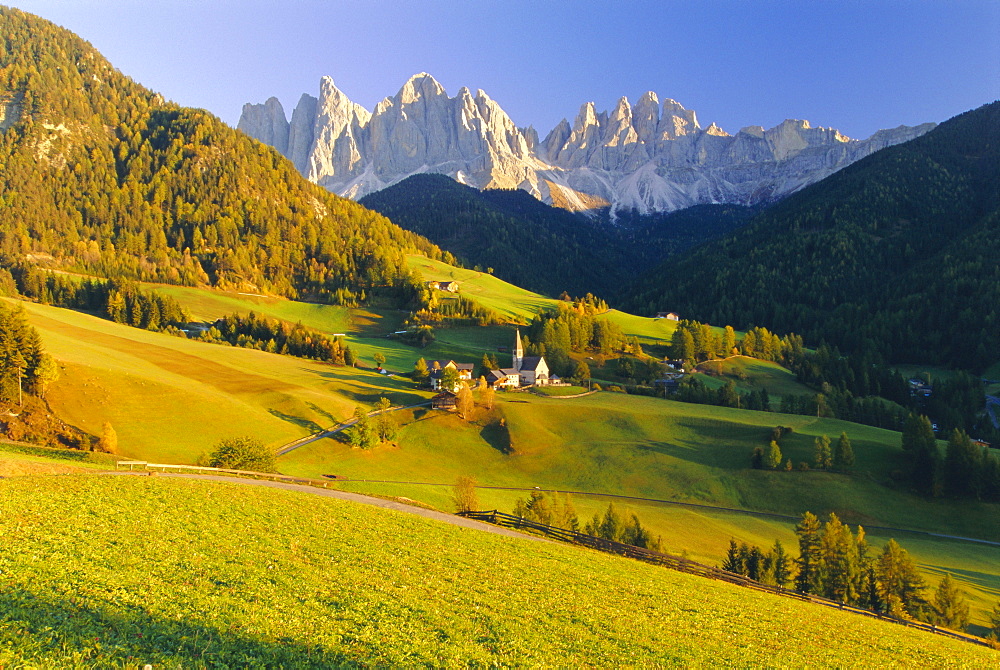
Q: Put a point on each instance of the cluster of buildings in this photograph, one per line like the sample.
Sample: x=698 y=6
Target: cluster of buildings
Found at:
x=525 y=371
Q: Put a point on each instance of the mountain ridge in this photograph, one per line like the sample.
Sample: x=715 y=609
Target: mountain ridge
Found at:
x=653 y=156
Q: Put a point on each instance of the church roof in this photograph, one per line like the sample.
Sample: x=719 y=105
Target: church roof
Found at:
x=531 y=362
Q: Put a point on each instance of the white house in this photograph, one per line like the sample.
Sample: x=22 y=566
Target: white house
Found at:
x=437 y=368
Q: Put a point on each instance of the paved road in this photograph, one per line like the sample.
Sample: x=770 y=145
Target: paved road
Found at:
x=303 y=441
x=354 y=497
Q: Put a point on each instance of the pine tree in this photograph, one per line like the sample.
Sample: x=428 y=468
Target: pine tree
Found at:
x=949 y=607
x=900 y=587
x=823 y=459
x=808 y=530
x=732 y=562
x=995 y=621
x=843 y=454
x=838 y=563
x=781 y=565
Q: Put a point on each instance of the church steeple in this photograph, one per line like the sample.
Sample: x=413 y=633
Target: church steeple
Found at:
x=518 y=351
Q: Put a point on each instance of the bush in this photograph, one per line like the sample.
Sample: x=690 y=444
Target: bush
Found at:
x=242 y=453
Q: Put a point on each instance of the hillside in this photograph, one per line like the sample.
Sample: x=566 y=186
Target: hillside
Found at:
x=302 y=583
x=897 y=252
x=103 y=176
x=541 y=247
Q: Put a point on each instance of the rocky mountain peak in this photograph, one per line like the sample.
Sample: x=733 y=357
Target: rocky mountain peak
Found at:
x=651 y=156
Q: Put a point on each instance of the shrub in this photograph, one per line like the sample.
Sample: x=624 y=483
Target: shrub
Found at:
x=242 y=453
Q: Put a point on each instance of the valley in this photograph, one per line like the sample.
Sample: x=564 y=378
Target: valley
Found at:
x=637 y=327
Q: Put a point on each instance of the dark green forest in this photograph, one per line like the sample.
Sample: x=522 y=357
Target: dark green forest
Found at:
x=897 y=252
x=102 y=176
x=544 y=248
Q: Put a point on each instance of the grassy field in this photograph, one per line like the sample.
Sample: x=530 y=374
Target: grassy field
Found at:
x=18 y=459
x=158 y=576
x=171 y=399
x=750 y=374
x=649 y=448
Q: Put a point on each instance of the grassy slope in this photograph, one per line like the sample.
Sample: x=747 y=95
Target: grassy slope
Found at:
x=750 y=374
x=172 y=399
x=611 y=443
x=159 y=577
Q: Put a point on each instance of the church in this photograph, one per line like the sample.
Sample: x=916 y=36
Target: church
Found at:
x=526 y=371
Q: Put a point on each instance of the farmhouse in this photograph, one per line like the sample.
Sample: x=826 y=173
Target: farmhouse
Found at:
x=446 y=285
x=437 y=369
x=444 y=400
x=670 y=316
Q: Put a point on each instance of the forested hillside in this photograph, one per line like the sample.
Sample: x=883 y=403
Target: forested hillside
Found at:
x=898 y=252
x=100 y=175
x=544 y=248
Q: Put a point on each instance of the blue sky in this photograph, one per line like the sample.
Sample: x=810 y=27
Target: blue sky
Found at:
x=855 y=65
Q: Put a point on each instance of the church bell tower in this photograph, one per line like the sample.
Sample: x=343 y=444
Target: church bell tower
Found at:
x=518 y=351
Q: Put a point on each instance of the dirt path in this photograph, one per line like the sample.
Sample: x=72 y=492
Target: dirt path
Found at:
x=355 y=497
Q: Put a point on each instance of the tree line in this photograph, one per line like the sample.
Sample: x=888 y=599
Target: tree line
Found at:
x=964 y=471
x=841 y=565
x=276 y=336
x=118 y=300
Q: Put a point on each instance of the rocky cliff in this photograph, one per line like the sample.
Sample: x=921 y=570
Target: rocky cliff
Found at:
x=653 y=156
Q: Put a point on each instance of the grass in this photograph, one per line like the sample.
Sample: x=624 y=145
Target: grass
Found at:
x=172 y=399
x=559 y=390
x=18 y=459
x=650 y=448
x=157 y=576
x=750 y=374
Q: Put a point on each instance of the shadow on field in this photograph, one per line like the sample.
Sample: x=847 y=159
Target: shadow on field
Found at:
x=100 y=636
x=300 y=421
x=330 y=419
x=496 y=436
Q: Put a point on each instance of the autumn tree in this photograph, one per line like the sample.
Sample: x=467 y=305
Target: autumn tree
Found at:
x=464 y=494
x=464 y=402
x=949 y=607
x=108 y=441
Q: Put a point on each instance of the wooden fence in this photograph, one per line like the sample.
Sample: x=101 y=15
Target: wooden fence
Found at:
x=199 y=469
x=694 y=568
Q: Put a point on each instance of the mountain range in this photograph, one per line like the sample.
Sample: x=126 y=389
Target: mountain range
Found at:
x=653 y=156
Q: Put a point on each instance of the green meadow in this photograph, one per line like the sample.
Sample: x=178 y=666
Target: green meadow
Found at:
x=186 y=573
x=650 y=448
x=750 y=374
x=170 y=398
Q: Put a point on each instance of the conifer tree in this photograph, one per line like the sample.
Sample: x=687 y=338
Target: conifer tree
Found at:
x=949 y=607
x=843 y=454
x=838 y=563
x=823 y=458
x=900 y=585
x=781 y=565
x=808 y=530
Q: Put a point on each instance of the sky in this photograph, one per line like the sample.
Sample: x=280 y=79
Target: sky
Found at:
x=857 y=66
